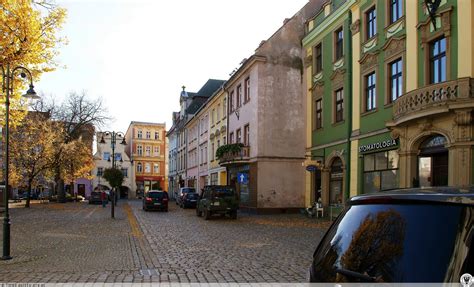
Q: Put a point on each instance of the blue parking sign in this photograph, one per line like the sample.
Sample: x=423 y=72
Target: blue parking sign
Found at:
x=242 y=177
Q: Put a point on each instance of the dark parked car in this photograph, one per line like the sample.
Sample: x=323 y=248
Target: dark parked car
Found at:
x=155 y=199
x=217 y=199
x=411 y=235
x=182 y=192
x=95 y=198
x=189 y=200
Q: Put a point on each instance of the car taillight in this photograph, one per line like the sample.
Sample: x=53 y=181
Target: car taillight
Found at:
x=149 y=199
x=165 y=199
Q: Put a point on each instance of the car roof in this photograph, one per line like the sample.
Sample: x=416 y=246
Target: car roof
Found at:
x=422 y=194
x=155 y=191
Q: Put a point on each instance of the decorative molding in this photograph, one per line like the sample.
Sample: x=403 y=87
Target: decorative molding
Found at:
x=463 y=118
x=370 y=44
x=355 y=27
x=395 y=27
x=368 y=61
x=318 y=90
x=318 y=77
x=338 y=64
x=425 y=27
x=337 y=78
x=394 y=46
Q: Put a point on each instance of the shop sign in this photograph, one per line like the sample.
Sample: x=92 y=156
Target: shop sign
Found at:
x=311 y=168
x=378 y=145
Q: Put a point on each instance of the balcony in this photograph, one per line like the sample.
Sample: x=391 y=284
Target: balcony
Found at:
x=233 y=154
x=434 y=99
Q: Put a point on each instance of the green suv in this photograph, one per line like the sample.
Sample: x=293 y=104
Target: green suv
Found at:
x=217 y=199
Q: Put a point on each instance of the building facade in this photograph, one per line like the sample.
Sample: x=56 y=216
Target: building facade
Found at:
x=407 y=95
x=146 y=148
x=266 y=121
x=103 y=160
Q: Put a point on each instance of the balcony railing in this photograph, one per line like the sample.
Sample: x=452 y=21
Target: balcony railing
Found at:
x=432 y=99
x=237 y=156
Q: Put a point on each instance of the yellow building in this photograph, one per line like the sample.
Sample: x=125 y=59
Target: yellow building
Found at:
x=217 y=107
x=146 y=147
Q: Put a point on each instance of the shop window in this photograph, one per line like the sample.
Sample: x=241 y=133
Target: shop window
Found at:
x=335 y=186
x=381 y=171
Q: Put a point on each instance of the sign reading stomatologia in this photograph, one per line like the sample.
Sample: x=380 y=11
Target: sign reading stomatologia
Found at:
x=378 y=145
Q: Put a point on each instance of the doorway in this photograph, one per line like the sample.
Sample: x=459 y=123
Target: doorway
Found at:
x=433 y=162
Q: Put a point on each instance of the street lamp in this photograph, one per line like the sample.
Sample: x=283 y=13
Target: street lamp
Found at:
x=113 y=140
x=7 y=88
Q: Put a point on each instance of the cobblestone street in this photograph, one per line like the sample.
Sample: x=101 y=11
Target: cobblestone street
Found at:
x=77 y=242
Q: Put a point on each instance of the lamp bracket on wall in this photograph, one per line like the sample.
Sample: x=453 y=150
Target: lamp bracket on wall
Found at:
x=432 y=6
x=237 y=114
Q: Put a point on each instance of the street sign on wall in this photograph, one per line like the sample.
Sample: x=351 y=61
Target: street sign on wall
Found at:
x=311 y=168
x=242 y=177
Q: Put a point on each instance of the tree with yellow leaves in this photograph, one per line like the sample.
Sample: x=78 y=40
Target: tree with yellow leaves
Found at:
x=28 y=38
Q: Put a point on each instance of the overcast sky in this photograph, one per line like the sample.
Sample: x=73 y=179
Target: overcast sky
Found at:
x=136 y=54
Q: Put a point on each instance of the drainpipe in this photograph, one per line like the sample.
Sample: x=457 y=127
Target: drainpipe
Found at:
x=349 y=105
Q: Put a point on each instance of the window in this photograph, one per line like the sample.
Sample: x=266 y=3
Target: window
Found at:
x=118 y=156
x=370 y=92
x=380 y=171
x=157 y=150
x=371 y=22
x=247 y=90
x=147 y=168
x=139 y=134
x=224 y=108
x=231 y=101
x=156 y=168
x=148 y=135
x=318 y=56
x=438 y=61
x=339 y=49
x=231 y=138
x=106 y=156
x=157 y=135
x=238 y=136
x=139 y=167
x=148 y=151
x=212 y=151
x=223 y=140
x=247 y=135
x=339 y=105
x=319 y=113
x=396 y=80
x=100 y=171
x=218 y=111
x=395 y=10
x=212 y=116
x=239 y=96
x=139 y=150
x=218 y=143
x=125 y=172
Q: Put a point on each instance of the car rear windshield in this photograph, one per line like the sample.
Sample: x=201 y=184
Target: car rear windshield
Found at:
x=222 y=192
x=192 y=195
x=398 y=243
x=186 y=190
x=157 y=194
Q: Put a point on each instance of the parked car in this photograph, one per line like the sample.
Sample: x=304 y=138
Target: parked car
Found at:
x=95 y=197
x=217 y=199
x=182 y=192
x=189 y=200
x=410 y=235
x=155 y=199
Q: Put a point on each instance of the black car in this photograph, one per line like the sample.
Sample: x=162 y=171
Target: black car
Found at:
x=95 y=197
x=412 y=235
x=189 y=200
x=182 y=192
x=217 y=199
x=155 y=200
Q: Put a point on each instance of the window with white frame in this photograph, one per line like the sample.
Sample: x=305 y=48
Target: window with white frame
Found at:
x=139 y=150
x=148 y=135
x=148 y=150
x=156 y=168
x=139 y=134
x=147 y=168
x=139 y=167
x=157 y=150
x=157 y=135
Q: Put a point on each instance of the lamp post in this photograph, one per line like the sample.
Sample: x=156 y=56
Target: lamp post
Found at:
x=113 y=140
x=7 y=88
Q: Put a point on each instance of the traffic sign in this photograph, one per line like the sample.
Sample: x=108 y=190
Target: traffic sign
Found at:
x=243 y=177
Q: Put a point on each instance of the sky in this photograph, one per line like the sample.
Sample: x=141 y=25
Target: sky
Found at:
x=137 y=54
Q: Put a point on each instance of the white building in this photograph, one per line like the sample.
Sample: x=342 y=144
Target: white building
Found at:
x=103 y=160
